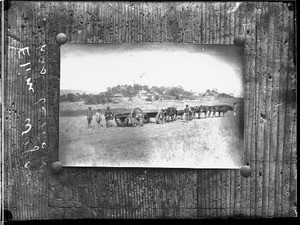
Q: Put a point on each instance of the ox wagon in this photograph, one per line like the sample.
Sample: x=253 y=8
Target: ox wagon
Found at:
x=138 y=117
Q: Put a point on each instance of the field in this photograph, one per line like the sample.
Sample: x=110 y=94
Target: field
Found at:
x=215 y=142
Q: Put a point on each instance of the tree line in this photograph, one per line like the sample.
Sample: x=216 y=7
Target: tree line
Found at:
x=130 y=91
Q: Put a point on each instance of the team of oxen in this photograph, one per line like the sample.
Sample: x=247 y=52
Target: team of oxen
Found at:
x=165 y=115
x=197 y=112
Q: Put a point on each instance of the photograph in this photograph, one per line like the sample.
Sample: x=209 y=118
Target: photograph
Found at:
x=151 y=105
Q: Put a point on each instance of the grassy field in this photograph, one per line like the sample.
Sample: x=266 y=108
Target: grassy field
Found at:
x=215 y=142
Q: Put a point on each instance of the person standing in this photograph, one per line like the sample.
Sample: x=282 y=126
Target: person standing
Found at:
x=89 y=117
x=187 y=113
x=98 y=117
x=108 y=116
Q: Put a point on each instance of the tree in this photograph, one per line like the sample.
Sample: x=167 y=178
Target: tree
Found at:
x=72 y=97
x=63 y=98
x=137 y=88
x=130 y=91
x=146 y=88
x=83 y=96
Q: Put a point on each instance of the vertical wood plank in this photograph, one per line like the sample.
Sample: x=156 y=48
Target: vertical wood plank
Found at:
x=218 y=195
x=260 y=109
x=289 y=110
x=279 y=150
x=207 y=19
x=292 y=86
x=266 y=105
x=245 y=182
x=271 y=74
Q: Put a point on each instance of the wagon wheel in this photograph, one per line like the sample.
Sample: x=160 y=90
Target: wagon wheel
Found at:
x=118 y=121
x=137 y=117
x=160 y=117
x=126 y=121
x=121 y=121
x=146 y=118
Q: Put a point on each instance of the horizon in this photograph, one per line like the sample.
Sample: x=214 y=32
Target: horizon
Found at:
x=85 y=91
x=196 y=68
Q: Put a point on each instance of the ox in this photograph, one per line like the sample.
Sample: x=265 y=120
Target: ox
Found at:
x=171 y=114
x=202 y=109
x=211 y=111
x=225 y=108
x=180 y=113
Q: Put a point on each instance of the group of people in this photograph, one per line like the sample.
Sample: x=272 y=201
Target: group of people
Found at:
x=101 y=119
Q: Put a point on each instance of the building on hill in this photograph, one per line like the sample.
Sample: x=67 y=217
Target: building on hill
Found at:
x=143 y=94
x=118 y=96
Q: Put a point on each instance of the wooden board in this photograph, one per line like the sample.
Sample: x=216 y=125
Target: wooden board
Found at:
x=34 y=192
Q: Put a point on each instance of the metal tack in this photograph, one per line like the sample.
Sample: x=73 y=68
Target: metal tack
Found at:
x=245 y=171
x=61 y=38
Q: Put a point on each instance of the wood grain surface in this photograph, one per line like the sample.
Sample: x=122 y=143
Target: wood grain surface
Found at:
x=33 y=191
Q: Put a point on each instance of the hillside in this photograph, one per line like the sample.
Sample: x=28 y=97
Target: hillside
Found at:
x=214 y=93
x=144 y=91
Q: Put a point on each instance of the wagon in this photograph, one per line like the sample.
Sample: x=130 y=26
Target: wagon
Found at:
x=159 y=116
x=138 y=117
x=135 y=118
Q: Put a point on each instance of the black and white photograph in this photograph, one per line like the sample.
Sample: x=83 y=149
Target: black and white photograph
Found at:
x=162 y=105
x=148 y=110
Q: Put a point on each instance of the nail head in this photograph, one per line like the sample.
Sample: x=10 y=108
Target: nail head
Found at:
x=57 y=167
x=61 y=38
x=239 y=41
x=245 y=171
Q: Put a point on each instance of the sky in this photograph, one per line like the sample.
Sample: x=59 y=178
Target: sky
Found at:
x=94 y=67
